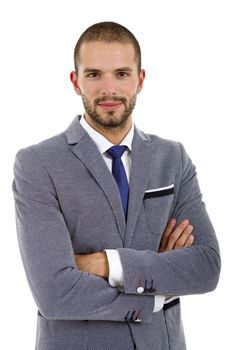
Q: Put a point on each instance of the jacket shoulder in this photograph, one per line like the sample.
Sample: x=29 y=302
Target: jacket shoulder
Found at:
x=165 y=150
x=157 y=142
x=45 y=149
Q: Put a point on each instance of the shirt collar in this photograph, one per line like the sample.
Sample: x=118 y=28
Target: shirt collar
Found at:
x=101 y=142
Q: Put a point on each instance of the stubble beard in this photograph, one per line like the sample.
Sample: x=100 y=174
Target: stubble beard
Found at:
x=109 y=120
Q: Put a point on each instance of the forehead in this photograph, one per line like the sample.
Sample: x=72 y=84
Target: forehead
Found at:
x=102 y=55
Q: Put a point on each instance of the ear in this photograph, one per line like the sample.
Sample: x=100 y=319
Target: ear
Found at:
x=142 y=75
x=74 y=80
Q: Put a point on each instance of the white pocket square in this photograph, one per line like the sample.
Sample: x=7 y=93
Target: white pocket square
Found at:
x=160 y=189
x=159 y=192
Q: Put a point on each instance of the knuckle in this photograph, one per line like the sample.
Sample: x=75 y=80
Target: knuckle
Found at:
x=172 y=239
x=185 y=222
x=177 y=236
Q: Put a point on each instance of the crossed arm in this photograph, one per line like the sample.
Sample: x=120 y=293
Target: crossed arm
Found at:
x=175 y=236
x=62 y=291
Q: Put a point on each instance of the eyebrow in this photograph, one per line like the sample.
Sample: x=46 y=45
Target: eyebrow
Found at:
x=94 y=70
x=88 y=70
x=127 y=69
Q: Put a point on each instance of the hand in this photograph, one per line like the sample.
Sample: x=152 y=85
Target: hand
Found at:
x=176 y=237
x=94 y=263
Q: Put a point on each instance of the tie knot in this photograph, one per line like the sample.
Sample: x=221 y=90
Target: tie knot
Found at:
x=116 y=151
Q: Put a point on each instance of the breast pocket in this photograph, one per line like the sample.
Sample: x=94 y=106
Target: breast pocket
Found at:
x=157 y=206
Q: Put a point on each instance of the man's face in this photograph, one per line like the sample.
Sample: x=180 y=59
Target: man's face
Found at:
x=108 y=82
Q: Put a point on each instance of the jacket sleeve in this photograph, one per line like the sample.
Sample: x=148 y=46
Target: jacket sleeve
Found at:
x=190 y=270
x=60 y=290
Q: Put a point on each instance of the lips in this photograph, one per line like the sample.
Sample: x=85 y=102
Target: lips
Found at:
x=109 y=103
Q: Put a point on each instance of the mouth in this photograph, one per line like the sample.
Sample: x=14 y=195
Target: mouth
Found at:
x=110 y=104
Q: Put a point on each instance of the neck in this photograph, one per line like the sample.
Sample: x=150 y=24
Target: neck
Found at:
x=115 y=134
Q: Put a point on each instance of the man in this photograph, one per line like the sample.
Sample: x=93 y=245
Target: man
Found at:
x=111 y=224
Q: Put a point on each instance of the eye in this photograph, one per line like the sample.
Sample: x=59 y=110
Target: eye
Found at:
x=122 y=74
x=93 y=75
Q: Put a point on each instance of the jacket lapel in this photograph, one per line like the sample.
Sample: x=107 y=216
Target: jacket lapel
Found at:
x=140 y=175
x=85 y=149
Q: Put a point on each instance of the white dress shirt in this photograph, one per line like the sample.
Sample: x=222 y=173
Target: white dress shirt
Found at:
x=116 y=278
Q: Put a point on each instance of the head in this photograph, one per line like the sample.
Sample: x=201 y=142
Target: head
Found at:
x=108 y=74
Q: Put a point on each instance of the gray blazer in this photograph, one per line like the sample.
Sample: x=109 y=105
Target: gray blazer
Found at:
x=67 y=202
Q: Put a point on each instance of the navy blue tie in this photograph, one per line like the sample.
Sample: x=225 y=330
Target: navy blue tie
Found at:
x=118 y=171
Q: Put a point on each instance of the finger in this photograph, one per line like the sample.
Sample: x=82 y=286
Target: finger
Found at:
x=168 y=230
x=189 y=241
x=176 y=234
x=79 y=261
x=171 y=236
x=180 y=243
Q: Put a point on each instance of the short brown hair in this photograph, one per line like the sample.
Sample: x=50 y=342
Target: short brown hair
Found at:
x=107 y=32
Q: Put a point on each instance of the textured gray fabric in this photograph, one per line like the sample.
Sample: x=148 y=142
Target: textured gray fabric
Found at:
x=67 y=202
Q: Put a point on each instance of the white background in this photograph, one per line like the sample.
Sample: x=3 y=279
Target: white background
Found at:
x=187 y=96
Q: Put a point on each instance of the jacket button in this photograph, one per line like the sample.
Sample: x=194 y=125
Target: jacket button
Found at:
x=140 y=290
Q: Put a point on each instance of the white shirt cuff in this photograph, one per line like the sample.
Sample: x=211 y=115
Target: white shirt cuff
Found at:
x=115 y=278
x=159 y=302
x=169 y=299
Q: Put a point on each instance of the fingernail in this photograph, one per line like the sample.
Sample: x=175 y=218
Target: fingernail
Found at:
x=172 y=221
x=185 y=222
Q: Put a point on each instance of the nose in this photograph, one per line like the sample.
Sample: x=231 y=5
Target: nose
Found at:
x=108 y=86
